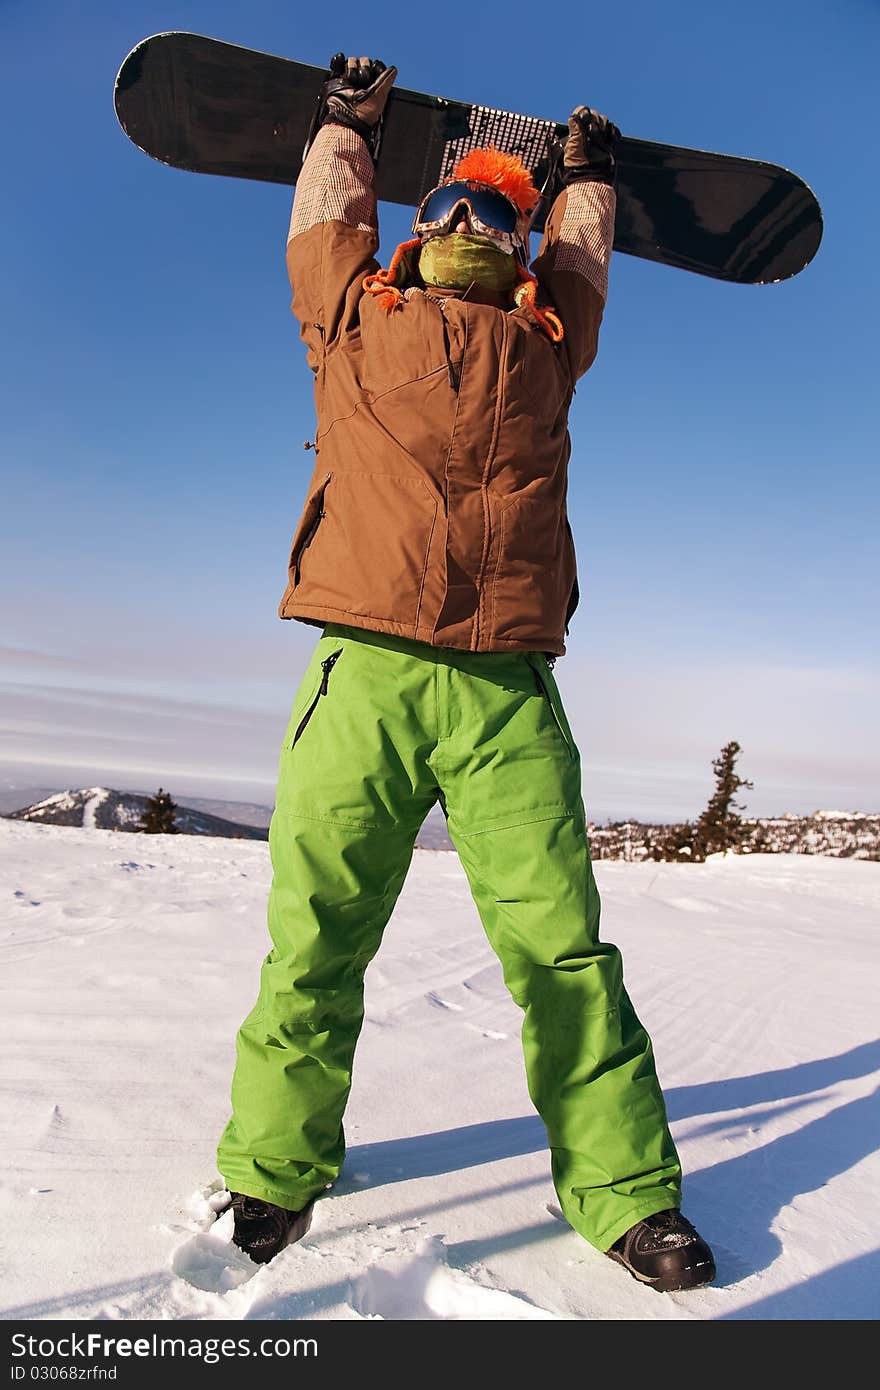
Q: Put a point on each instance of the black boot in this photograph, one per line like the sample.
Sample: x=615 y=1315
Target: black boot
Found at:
x=262 y=1229
x=666 y=1252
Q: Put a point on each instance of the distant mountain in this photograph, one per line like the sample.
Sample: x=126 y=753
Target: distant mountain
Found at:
x=102 y=808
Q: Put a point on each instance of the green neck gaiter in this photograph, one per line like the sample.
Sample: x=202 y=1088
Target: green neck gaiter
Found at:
x=457 y=260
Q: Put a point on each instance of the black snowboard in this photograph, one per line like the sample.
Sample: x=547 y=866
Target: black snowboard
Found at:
x=214 y=108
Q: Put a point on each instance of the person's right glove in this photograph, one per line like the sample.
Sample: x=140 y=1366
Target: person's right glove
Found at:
x=355 y=95
x=589 y=148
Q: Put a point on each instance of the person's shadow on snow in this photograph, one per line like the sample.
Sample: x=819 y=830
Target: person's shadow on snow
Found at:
x=741 y=1196
x=844 y=1292
x=734 y=1203
x=739 y=1092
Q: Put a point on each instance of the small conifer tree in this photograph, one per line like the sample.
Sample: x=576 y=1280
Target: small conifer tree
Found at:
x=158 y=817
x=720 y=827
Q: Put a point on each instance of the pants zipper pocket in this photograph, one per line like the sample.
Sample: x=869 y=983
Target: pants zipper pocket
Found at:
x=544 y=690
x=326 y=666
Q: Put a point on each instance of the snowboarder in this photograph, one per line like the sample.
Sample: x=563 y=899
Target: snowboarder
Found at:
x=435 y=554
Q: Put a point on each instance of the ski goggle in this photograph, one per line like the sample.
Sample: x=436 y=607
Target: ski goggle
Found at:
x=488 y=212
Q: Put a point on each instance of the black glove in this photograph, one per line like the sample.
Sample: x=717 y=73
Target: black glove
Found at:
x=355 y=95
x=589 y=149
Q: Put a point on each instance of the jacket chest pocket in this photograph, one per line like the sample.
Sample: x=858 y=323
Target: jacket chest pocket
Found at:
x=539 y=371
x=407 y=345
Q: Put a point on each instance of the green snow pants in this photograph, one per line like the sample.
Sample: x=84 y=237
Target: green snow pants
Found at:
x=382 y=727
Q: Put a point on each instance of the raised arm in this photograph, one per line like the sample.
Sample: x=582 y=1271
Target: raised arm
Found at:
x=333 y=235
x=572 y=261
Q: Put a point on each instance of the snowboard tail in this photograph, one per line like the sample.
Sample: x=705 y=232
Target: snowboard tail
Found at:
x=210 y=107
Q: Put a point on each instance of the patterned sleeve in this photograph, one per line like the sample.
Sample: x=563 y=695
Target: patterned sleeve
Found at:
x=572 y=264
x=333 y=238
x=586 y=232
x=336 y=183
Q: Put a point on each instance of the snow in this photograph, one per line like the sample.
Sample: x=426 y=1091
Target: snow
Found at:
x=63 y=801
x=128 y=967
x=95 y=797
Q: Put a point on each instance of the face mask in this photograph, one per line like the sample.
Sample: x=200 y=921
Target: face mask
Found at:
x=458 y=260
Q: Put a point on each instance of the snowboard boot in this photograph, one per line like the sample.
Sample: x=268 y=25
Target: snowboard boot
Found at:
x=262 y=1229
x=666 y=1252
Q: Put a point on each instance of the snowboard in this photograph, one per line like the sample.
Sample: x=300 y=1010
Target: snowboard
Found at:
x=211 y=107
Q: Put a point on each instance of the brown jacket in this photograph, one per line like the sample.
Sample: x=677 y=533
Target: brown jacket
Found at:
x=436 y=510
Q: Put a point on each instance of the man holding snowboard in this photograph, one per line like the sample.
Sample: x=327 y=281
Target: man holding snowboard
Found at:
x=435 y=555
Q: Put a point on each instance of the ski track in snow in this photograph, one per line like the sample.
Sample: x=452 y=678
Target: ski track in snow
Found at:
x=90 y=809
x=126 y=979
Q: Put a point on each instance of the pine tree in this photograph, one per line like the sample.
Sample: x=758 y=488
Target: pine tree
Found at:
x=719 y=827
x=158 y=817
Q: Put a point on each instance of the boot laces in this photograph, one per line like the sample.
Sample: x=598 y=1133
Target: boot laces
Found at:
x=254 y=1208
x=269 y=1217
x=670 y=1227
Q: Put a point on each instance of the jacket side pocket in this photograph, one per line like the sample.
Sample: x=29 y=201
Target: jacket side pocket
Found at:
x=305 y=532
x=574 y=595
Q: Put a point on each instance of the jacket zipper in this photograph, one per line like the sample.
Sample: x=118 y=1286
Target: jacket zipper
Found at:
x=544 y=690
x=447 y=347
x=487 y=474
x=326 y=666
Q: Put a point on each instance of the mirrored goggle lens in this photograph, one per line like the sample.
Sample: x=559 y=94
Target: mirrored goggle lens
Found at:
x=490 y=206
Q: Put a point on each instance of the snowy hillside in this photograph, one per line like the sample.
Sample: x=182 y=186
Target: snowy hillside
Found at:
x=103 y=808
x=129 y=963
x=843 y=834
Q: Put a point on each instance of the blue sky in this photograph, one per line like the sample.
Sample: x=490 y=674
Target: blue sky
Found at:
x=154 y=398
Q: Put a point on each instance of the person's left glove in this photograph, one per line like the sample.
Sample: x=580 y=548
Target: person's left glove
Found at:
x=589 y=149
x=355 y=95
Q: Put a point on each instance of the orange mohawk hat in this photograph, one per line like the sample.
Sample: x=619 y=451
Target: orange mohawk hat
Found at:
x=504 y=172
x=510 y=176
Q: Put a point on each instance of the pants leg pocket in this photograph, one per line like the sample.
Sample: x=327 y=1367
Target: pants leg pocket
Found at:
x=317 y=686
x=547 y=689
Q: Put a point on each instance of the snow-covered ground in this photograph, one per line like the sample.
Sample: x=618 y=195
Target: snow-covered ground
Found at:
x=130 y=962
